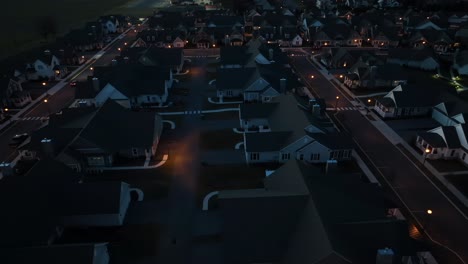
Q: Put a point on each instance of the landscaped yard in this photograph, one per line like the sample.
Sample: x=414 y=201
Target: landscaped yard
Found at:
x=219 y=139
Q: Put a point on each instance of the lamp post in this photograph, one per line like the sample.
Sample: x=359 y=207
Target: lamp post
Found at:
x=336 y=102
x=47 y=105
x=426 y=152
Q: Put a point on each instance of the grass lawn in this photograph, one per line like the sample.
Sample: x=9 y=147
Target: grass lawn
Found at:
x=219 y=139
x=21 y=21
x=460 y=182
x=216 y=178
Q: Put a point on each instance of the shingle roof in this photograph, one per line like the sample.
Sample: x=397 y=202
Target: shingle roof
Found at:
x=334 y=140
x=251 y=111
x=434 y=139
x=115 y=128
x=235 y=78
x=55 y=254
x=268 y=141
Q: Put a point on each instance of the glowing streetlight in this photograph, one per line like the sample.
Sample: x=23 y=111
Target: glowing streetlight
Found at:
x=119 y=49
x=429 y=211
x=125 y=43
x=336 y=102
x=369 y=101
x=91 y=68
x=44 y=84
x=214 y=45
x=341 y=76
x=426 y=152
x=6 y=109
x=45 y=100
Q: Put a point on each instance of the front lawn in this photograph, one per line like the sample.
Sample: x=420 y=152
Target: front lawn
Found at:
x=219 y=139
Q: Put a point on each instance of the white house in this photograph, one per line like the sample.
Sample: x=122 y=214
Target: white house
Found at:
x=406 y=101
x=296 y=41
x=46 y=66
x=444 y=142
x=423 y=59
x=282 y=138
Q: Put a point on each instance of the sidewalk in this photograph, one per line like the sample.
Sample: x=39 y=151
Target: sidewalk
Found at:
x=64 y=82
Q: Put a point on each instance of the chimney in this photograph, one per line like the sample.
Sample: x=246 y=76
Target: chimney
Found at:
x=270 y=54
x=331 y=166
x=47 y=147
x=283 y=86
x=5 y=170
x=385 y=256
x=96 y=85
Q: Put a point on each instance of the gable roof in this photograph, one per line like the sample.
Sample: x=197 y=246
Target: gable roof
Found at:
x=115 y=128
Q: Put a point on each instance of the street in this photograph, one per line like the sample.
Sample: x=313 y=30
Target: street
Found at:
x=62 y=99
x=447 y=225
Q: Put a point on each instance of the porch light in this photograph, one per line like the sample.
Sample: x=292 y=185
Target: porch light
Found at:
x=341 y=75
x=344 y=64
x=369 y=101
x=325 y=44
x=125 y=43
x=214 y=45
x=429 y=211
x=57 y=72
x=355 y=40
x=427 y=150
x=91 y=68
x=45 y=100
x=424 y=42
x=119 y=49
x=312 y=76
x=368 y=39
x=82 y=57
x=44 y=84
x=6 y=109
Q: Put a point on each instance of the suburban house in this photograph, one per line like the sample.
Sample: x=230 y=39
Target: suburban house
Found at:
x=89 y=138
x=12 y=94
x=95 y=253
x=290 y=138
x=423 y=59
x=276 y=27
x=460 y=62
x=259 y=84
x=172 y=59
x=226 y=29
x=60 y=197
x=450 y=113
x=339 y=34
x=113 y=24
x=342 y=58
x=406 y=101
x=445 y=142
x=375 y=76
x=438 y=40
x=45 y=66
x=132 y=85
x=203 y=39
x=296 y=218
x=160 y=38
x=84 y=39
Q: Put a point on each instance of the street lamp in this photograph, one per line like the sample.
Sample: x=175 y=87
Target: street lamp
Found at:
x=48 y=109
x=312 y=76
x=44 y=84
x=426 y=152
x=45 y=100
x=336 y=102
x=429 y=211
x=119 y=49
x=91 y=68
x=341 y=76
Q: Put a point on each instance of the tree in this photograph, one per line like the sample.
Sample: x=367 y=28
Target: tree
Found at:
x=47 y=26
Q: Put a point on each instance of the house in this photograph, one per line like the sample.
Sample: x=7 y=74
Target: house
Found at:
x=338 y=34
x=172 y=59
x=12 y=93
x=226 y=29
x=55 y=254
x=113 y=24
x=161 y=39
x=255 y=84
x=423 y=59
x=460 y=62
x=88 y=138
x=406 y=101
x=339 y=58
x=45 y=66
x=235 y=57
x=132 y=85
x=297 y=218
x=276 y=27
x=86 y=39
x=203 y=39
x=444 y=142
x=450 y=113
x=290 y=138
x=376 y=76
x=438 y=40
x=72 y=204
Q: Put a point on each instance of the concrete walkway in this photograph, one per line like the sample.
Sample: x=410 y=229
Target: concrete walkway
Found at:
x=207 y=198
x=199 y=111
x=144 y=167
x=173 y=125
x=239 y=145
x=214 y=102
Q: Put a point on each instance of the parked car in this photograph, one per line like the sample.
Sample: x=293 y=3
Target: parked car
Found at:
x=18 y=139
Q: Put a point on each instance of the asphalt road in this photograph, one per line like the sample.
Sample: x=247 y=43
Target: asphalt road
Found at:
x=56 y=102
x=446 y=225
